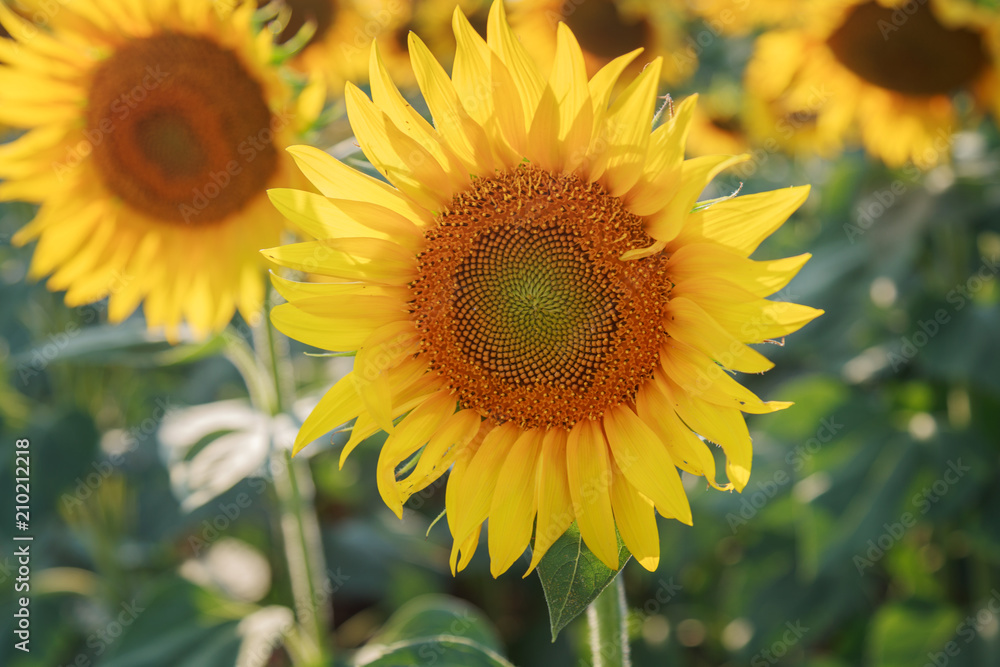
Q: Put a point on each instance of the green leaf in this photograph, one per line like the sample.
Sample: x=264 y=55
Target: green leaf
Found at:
x=903 y=634
x=440 y=650
x=572 y=577
x=433 y=615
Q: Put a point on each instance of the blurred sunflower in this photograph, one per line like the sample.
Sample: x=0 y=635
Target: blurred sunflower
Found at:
x=331 y=38
x=606 y=29
x=738 y=17
x=717 y=124
x=153 y=130
x=884 y=72
x=536 y=296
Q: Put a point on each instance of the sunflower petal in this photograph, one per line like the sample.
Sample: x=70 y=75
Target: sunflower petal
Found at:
x=645 y=462
x=588 y=469
x=512 y=511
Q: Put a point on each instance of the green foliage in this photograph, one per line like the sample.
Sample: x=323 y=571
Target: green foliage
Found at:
x=572 y=577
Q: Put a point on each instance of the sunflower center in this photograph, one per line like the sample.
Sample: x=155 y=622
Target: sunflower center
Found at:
x=321 y=12
x=908 y=52
x=602 y=30
x=179 y=129
x=524 y=307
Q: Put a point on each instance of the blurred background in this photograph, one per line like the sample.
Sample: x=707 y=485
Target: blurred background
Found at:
x=869 y=533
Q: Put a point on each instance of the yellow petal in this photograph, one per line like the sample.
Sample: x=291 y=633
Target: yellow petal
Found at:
x=661 y=178
x=700 y=377
x=745 y=316
x=689 y=323
x=324 y=218
x=723 y=426
x=387 y=97
x=464 y=136
x=335 y=179
x=512 y=511
x=357 y=259
x=397 y=156
x=411 y=434
x=696 y=174
x=625 y=131
x=709 y=259
x=339 y=405
x=686 y=449
x=588 y=469
x=441 y=451
x=527 y=81
x=644 y=461
x=636 y=520
x=742 y=223
x=321 y=331
x=469 y=505
x=555 y=504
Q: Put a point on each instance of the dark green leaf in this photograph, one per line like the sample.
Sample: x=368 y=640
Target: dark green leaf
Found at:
x=442 y=650
x=904 y=634
x=431 y=615
x=572 y=576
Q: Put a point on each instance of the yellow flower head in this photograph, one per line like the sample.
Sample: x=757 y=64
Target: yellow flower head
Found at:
x=534 y=296
x=606 y=29
x=332 y=37
x=884 y=73
x=152 y=131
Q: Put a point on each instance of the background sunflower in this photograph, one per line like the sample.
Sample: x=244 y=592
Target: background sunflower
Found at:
x=883 y=73
x=152 y=132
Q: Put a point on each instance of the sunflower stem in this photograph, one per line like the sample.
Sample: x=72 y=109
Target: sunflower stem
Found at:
x=294 y=488
x=606 y=617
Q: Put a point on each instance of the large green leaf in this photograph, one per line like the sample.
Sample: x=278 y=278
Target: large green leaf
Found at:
x=905 y=634
x=431 y=615
x=441 y=650
x=572 y=577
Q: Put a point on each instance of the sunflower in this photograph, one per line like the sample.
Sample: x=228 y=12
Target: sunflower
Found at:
x=717 y=124
x=152 y=131
x=738 y=17
x=534 y=297
x=883 y=72
x=607 y=29
x=331 y=37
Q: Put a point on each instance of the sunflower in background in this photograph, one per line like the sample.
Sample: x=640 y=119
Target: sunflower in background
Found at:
x=717 y=124
x=153 y=130
x=534 y=297
x=884 y=73
x=607 y=29
x=331 y=38
x=739 y=17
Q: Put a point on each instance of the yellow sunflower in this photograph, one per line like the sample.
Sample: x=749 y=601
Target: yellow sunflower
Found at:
x=534 y=296
x=737 y=17
x=884 y=73
x=153 y=130
x=332 y=37
x=607 y=29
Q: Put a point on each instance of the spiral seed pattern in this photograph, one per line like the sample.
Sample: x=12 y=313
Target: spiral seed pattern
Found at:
x=525 y=308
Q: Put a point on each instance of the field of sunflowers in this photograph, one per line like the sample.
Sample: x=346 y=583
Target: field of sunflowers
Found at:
x=483 y=333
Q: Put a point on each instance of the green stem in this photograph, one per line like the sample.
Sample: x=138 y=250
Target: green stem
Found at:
x=294 y=488
x=606 y=617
